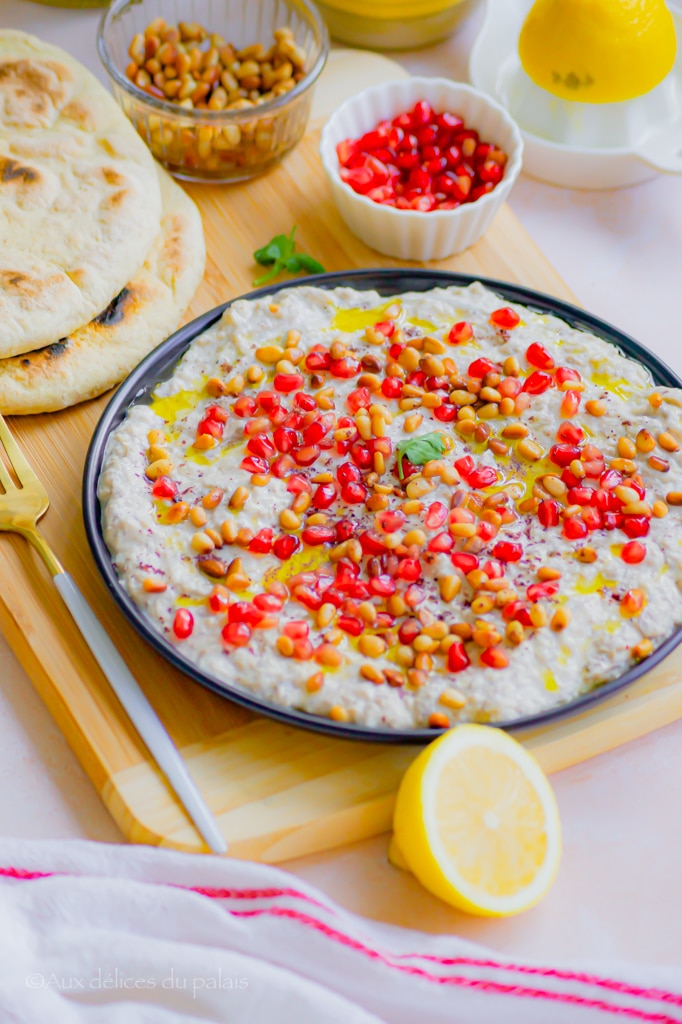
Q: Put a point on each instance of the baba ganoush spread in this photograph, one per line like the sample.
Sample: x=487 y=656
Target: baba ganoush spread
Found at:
x=405 y=511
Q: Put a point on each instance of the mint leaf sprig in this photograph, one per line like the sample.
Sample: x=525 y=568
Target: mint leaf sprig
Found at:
x=420 y=450
x=279 y=255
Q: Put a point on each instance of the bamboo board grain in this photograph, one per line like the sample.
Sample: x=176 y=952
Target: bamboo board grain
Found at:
x=277 y=792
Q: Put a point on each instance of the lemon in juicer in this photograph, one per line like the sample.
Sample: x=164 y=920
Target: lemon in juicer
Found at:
x=598 y=51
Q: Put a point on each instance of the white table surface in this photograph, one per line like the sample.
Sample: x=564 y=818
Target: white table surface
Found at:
x=619 y=890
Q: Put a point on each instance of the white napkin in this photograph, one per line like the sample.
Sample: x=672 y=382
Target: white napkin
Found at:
x=91 y=933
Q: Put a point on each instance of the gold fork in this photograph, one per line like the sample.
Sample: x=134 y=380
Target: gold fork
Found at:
x=20 y=509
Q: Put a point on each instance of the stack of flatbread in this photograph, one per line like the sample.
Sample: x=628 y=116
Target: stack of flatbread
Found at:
x=100 y=251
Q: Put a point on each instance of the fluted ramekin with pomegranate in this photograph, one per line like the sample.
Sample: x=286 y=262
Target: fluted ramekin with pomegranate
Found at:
x=418 y=168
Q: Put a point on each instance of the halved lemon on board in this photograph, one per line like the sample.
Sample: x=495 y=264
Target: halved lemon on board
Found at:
x=476 y=821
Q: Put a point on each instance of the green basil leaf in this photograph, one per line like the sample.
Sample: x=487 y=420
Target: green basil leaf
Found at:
x=310 y=264
x=272 y=273
x=419 y=450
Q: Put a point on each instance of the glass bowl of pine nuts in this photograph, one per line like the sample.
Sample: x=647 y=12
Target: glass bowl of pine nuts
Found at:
x=223 y=97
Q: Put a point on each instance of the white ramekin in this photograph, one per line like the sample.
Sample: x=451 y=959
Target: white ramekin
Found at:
x=409 y=234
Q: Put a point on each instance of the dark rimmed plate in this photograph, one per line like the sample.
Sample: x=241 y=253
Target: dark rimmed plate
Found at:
x=160 y=365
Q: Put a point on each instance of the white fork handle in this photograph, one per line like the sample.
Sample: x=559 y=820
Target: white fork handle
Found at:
x=140 y=712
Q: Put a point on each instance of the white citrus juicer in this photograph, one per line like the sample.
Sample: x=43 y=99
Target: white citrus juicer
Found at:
x=571 y=142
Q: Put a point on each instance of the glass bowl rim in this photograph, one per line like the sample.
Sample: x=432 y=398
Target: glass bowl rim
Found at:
x=168 y=108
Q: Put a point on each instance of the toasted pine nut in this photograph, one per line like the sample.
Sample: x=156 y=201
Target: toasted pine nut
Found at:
x=595 y=407
x=668 y=442
x=560 y=619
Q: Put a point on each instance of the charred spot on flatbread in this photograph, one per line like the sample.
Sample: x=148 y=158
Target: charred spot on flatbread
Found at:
x=12 y=170
x=116 y=310
x=33 y=90
x=47 y=354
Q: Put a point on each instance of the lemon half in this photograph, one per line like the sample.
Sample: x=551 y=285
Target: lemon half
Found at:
x=598 y=51
x=476 y=821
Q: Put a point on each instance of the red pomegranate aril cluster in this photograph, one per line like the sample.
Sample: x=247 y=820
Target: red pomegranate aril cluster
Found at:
x=422 y=161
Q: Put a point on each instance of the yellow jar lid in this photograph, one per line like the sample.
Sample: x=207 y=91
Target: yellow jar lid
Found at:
x=392 y=10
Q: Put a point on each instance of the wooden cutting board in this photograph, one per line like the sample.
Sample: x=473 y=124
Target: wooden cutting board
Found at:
x=277 y=792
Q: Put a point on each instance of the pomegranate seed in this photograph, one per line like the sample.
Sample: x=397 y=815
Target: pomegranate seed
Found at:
x=303 y=650
x=480 y=367
x=484 y=476
x=278 y=416
x=445 y=413
x=486 y=531
x=347 y=473
x=570 y=404
x=507 y=551
x=314 y=433
x=548 y=513
x=464 y=561
x=391 y=387
x=297 y=483
x=505 y=318
x=354 y=494
x=372 y=543
x=436 y=515
x=359 y=399
x=633 y=552
x=460 y=333
x=389 y=521
x=581 y=495
x=361 y=456
x=566 y=374
x=494 y=657
x=574 y=528
x=635 y=526
x=382 y=586
x=563 y=454
x=164 y=488
x=543 y=591
x=570 y=433
x=458 y=659
x=349 y=624
x=324 y=496
x=261 y=445
x=517 y=612
x=344 y=368
x=344 y=530
x=538 y=356
x=318 y=361
x=269 y=400
x=537 y=383
x=183 y=623
x=610 y=479
x=251 y=464
x=408 y=630
x=282 y=466
x=284 y=439
x=296 y=629
x=306 y=455
x=464 y=466
x=593 y=468
x=210 y=426
x=509 y=387
x=237 y=634
x=493 y=569
x=268 y=602
x=287 y=382
x=244 y=406
x=441 y=543
x=308 y=597
x=592 y=518
x=305 y=402
x=262 y=542
x=410 y=569
x=315 y=535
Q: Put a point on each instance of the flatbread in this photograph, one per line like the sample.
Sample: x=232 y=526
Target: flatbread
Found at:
x=149 y=308
x=79 y=196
